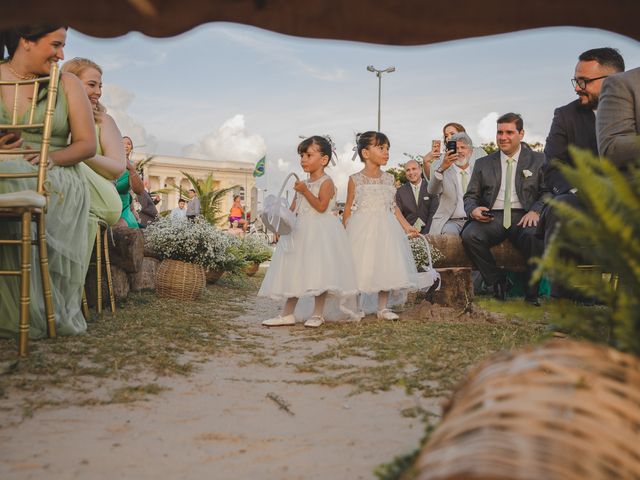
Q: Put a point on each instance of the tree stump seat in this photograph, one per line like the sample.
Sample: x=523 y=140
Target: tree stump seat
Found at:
x=455 y=268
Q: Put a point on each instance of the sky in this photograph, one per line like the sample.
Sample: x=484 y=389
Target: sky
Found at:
x=232 y=92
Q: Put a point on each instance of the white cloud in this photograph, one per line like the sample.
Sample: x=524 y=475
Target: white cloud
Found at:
x=117 y=100
x=487 y=128
x=230 y=142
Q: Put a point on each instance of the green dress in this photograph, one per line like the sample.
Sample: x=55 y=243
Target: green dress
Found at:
x=105 y=202
x=122 y=185
x=66 y=230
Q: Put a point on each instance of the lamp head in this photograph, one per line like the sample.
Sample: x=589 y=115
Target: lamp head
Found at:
x=390 y=69
x=370 y=68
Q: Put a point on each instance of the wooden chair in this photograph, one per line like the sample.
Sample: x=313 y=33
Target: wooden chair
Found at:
x=29 y=206
x=102 y=243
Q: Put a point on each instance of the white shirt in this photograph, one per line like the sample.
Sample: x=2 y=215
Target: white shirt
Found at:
x=515 y=201
x=179 y=213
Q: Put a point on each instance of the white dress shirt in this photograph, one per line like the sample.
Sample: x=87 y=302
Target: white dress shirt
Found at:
x=515 y=201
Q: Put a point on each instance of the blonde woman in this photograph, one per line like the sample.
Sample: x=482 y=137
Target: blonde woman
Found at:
x=109 y=161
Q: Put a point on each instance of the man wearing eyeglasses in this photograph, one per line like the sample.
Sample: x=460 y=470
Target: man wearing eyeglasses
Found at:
x=574 y=124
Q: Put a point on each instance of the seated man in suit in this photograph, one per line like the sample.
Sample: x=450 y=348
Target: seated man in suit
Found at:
x=574 y=124
x=504 y=200
x=450 y=181
x=414 y=202
x=618 y=121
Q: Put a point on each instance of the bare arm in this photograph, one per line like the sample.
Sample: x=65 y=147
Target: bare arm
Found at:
x=111 y=163
x=135 y=182
x=408 y=229
x=83 y=137
x=351 y=192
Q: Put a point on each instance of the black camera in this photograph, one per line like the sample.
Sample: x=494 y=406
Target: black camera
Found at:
x=451 y=146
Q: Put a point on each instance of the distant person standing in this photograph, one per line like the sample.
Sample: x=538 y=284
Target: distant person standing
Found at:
x=181 y=210
x=413 y=200
x=193 y=207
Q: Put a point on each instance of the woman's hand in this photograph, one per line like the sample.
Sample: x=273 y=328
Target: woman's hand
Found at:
x=9 y=141
x=34 y=159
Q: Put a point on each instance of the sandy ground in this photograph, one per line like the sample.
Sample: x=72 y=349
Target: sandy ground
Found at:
x=221 y=424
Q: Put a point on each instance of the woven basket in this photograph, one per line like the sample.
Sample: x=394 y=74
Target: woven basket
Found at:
x=181 y=280
x=566 y=410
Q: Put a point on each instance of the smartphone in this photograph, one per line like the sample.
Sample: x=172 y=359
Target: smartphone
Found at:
x=16 y=133
x=435 y=146
x=487 y=213
x=452 y=146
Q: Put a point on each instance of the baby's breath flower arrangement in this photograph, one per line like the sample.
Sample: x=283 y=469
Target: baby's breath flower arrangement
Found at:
x=420 y=255
x=196 y=242
x=254 y=249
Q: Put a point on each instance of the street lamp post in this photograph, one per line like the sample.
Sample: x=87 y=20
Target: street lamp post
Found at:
x=379 y=73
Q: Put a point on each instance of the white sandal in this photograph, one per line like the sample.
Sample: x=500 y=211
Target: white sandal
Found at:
x=314 y=321
x=280 y=321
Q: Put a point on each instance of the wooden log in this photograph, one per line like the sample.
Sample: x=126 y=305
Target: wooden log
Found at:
x=120 y=285
x=145 y=278
x=456 y=288
x=127 y=248
x=506 y=255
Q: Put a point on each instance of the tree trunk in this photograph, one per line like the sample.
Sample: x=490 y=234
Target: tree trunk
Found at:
x=127 y=248
x=456 y=288
x=145 y=278
x=506 y=255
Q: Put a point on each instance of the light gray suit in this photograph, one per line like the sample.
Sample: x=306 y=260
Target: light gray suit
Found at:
x=449 y=190
x=618 y=118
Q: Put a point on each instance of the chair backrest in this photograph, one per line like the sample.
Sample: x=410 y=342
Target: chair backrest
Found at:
x=20 y=125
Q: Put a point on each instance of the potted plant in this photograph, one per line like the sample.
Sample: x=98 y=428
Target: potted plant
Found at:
x=187 y=249
x=254 y=250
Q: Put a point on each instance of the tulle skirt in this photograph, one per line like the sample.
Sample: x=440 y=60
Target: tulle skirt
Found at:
x=66 y=229
x=314 y=259
x=382 y=257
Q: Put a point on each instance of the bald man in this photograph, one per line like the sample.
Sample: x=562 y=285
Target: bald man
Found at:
x=413 y=200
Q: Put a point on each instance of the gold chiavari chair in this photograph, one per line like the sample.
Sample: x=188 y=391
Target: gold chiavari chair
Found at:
x=29 y=206
x=102 y=244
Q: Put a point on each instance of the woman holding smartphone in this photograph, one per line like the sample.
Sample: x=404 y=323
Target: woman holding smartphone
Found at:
x=435 y=156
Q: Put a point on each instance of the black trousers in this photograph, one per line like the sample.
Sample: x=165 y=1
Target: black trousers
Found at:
x=548 y=224
x=479 y=237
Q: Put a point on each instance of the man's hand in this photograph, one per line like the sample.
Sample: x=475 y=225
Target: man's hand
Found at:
x=476 y=214
x=449 y=159
x=530 y=219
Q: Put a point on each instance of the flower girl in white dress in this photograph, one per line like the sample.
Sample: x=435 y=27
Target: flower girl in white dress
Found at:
x=317 y=262
x=377 y=229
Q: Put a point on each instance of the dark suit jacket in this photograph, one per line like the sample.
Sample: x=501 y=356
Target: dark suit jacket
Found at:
x=426 y=207
x=149 y=212
x=484 y=185
x=571 y=125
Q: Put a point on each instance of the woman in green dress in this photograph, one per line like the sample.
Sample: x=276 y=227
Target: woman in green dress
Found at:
x=109 y=162
x=130 y=180
x=31 y=50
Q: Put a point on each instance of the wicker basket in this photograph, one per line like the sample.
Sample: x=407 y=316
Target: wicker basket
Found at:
x=181 y=280
x=566 y=410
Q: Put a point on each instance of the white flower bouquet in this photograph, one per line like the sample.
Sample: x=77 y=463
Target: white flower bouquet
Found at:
x=196 y=242
x=420 y=254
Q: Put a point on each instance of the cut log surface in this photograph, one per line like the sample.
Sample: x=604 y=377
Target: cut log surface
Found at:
x=506 y=255
x=145 y=278
x=126 y=248
x=456 y=289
